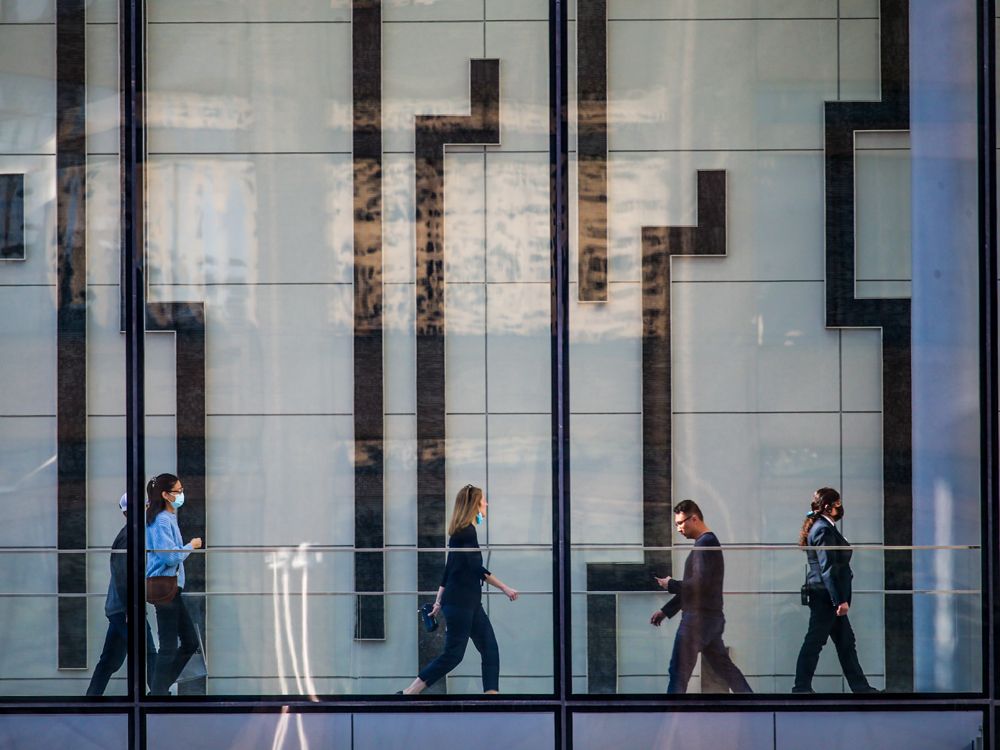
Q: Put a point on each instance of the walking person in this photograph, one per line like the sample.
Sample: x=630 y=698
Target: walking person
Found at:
x=828 y=587
x=173 y=623
x=460 y=598
x=116 y=640
x=699 y=597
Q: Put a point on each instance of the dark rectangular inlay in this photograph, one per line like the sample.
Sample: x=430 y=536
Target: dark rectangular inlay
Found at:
x=71 y=329
x=11 y=217
x=592 y=148
x=369 y=426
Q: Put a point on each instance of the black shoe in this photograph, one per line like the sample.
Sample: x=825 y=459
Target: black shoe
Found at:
x=868 y=689
x=808 y=691
x=399 y=692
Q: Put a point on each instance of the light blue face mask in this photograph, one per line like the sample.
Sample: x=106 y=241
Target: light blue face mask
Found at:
x=178 y=501
x=479 y=518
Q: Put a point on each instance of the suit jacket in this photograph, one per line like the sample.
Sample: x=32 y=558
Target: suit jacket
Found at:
x=829 y=569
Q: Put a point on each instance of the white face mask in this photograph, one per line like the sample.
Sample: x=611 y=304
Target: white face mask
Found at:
x=178 y=501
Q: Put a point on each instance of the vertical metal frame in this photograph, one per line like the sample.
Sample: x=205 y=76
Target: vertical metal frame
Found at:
x=559 y=364
x=131 y=51
x=988 y=332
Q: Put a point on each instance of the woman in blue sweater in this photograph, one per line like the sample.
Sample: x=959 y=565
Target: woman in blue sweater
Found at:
x=173 y=623
x=460 y=598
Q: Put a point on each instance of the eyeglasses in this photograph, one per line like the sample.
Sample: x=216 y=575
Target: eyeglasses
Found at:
x=683 y=521
x=176 y=492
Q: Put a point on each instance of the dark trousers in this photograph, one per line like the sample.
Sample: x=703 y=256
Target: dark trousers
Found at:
x=462 y=624
x=114 y=653
x=173 y=624
x=823 y=624
x=702 y=634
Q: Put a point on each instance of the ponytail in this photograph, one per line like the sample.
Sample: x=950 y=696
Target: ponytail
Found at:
x=155 y=488
x=823 y=499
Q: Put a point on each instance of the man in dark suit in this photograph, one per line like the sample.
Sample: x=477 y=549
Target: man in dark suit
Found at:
x=828 y=587
x=699 y=596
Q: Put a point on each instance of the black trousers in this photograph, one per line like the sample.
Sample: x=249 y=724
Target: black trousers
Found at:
x=702 y=634
x=824 y=624
x=462 y=624
x=173 y=624
x=114 y=653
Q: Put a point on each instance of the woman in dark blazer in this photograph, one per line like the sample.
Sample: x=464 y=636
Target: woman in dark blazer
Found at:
x=460 y=598
x=828 y=584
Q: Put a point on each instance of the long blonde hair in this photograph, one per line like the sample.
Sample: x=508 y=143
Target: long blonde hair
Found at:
x=466 y=508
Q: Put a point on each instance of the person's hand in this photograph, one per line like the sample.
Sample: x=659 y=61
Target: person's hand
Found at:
x=511 y=593
x=196 y=543
x=662 y=582
x=657 y=617
x=842 y=609
x=436 y=609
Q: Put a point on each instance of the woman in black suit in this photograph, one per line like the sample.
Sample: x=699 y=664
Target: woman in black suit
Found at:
x=829 y=589
x=460 y=598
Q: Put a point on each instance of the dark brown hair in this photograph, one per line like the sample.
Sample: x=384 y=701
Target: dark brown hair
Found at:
x=823 y=500
x=154 y=493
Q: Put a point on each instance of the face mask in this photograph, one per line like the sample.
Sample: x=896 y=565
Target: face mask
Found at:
x=178 y=501
x=479 y=518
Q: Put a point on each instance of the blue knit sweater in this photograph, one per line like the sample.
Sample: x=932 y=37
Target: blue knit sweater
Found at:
x=164 y=534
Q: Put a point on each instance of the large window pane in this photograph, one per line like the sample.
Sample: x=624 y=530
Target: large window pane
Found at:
x=348 y=265
x=758 y=310
x=62 y=420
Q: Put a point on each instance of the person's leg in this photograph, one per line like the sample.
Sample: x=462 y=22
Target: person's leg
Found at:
x=167 y=616
x=821 y=617
x=188 y=640
x=150 y=655
x=485 y=642
x=458 y=623
x=714 y=653
x=685 y=654
x=112 y=656
x=843 y=639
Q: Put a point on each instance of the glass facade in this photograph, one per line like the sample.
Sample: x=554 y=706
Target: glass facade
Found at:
x=324 y=269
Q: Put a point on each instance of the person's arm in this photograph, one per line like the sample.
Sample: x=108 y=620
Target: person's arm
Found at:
x=161 y=538
x=828 y=561
x=492 y=580
x=437 y=602
x=119 y=572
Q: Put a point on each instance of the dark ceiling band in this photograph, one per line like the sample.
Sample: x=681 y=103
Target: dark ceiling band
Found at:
x=659 y=245
x=11 y=217
x=844 y=310
x=433 y=133
x=592 y=148
x=187 y=321
x=369 y=429
x=71 y=330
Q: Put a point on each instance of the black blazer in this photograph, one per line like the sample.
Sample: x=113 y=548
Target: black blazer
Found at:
x=464 y=572
x=830 y=570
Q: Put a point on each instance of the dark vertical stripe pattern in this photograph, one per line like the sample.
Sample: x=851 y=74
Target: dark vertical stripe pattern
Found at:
x=71 y=332
x=592 y=149
x=369 y=435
